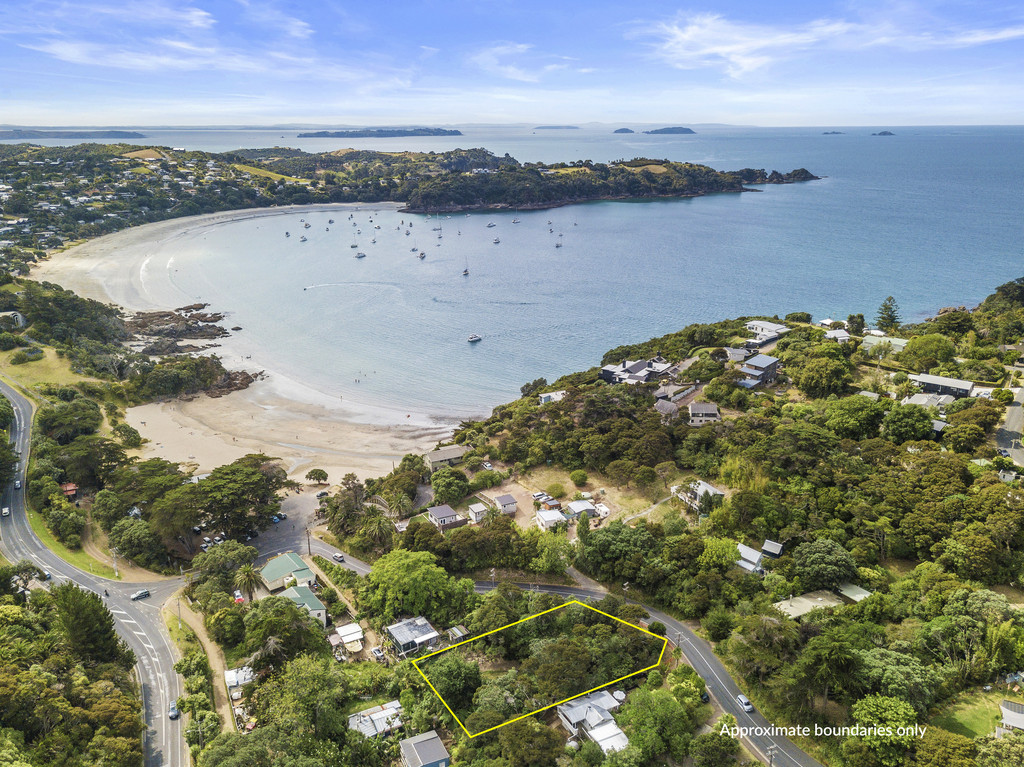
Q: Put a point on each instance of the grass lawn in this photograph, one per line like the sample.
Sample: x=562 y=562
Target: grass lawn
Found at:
x=973 y=713
x=184 y=637
x=51 y=369
x=78 y=558
x=254 y=171
x=624 y=501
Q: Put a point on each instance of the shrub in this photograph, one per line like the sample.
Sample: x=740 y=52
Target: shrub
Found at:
x=555 y=490
x=579 y=477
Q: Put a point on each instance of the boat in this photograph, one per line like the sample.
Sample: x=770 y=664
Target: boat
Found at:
x=302 y=238
x=496 y=240
x=549 y=222
x=473 y=338
x=301 y=220
x=374 y=240
x=465 y=272
x=406 y=232
x=413 y=249
x=330 y=221
x=287 y=234
x=327 y=228
x=491 y=224
x=515 y=221
x=558 y=244
x=377 y=226
x=421 y=256
x=305 y=226
x=360 y=254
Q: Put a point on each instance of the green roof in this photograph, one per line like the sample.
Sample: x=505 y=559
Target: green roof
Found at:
x=303 y=596
x=283 y=565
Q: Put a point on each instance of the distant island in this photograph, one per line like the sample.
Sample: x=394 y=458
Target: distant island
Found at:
x=30 y=133
x=557 y=127
x=884 y=133
x=663 y=131
x=624 y=130
x=832 y=133
x=382 y=133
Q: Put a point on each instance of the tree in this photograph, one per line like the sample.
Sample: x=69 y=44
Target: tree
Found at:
x=248 y=579
x=718 y=623
x=450 y=485
x=656 y=724
x=878 y=713
x=940 y=748
x=226 y=626
x=529 y=742
x=888 y=318
x=454 y=678
x=579 y=477
x=823 y=564
x=276 y=630
x=821 y=377
x=904 y=423
x=714 y=749
x=855 y=324
x=963 y=437
x=922 y=353
x=533 y=387
x=620 y=472
x=88 y=627
x=317 y=475
x=309 y=698
x=411 y=583
x=854 y=417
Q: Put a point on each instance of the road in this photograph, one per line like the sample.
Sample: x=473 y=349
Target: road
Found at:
x=140 y=623
x=1008 y=435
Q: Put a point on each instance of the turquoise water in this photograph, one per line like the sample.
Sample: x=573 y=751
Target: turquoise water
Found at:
x=932 y=216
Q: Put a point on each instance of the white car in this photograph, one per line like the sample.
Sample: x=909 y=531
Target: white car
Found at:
x=17 y=484
x=487 y=465
x=6 y=512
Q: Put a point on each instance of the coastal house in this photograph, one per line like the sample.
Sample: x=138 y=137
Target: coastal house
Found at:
x=955 y=387
x=736 y=355
x=704 y=412
x=304 y=597
x=636 y=371
x=551 y=396
x=673 y=392
x=937 y=428
x=771 y=549
x=477 y=512
x=759 y=369
x=445 y=456
x=590 y=715
x=669 y=411
x=547 y=518
x=871 y=341
x=765 y=328
x=693 y=493
x=507 y=504
x=869 y=394
x=929 y=400
x=750 y=559
x=1013 y=715
x=550 y=504
x=425 y=750
x=411 y=635
x=839 y=335
x=284 y=568
x=445 y=517
x=853 y=592
x=379 y=720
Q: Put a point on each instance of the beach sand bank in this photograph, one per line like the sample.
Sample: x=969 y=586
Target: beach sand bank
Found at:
x=277 y=415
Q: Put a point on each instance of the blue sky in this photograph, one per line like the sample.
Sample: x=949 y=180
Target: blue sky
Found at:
x=104 y=62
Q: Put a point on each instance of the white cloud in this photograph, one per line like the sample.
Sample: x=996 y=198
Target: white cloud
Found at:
x=494 y=60
x=265 y=14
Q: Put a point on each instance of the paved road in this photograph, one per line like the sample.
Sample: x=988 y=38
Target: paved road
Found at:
x=1008 y=435
x=140 y=622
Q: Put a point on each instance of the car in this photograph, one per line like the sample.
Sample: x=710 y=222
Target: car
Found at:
x=17 y=484
x=487 y=465
x=538 y=496
x=745 y=703
x=207 y=539
x=378 y=654
x=204 y=546
x=45 y=575
x=254 y=533
x=197 y=529
x=172 y=711
x=140 y=594
x=6 y=512
x=338 y=556
x=1004 y=452
x=204 y=525
x=282 y=515
x=275 y=519
x=322 y=494
x=704 y=697
x=218 y=539
x=238 y=597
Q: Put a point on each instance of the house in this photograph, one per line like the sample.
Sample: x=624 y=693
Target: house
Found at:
x=237 y=677
x=426 y=750
x=552 y=396
x=636 y=371
x=693 y=493
x=477 y=512
x=759 y=369
x=736 y=355
x=17 y=319
x=590 y=715
x=839 y=335
x=937 y=428
x=828 y=322
x=445 y=518
x=551 y=504
x=70 y=490
x=507 y=504
x=458 y=633
x=797 y=606
x=379 y=720
x=942 y=385
x=576 y=508
x=929 y=400
x=669 y=411
x=351 y=635
x=284 y=568
x=673 y=392
x=853 y=592
x=704 y=412
x=1013 y=715
x=304 y=597
x=766 y=328
x=548 y=518
x=445 y=456
x=1007 y=475
x=771 y=549
x=871 y=341
x=411 y=635
x=869 y=394
x=750 y=559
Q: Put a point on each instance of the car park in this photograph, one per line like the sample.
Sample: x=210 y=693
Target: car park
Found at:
x=172 y=711
x=338 y=556
x=140 y=594
x=745 y=703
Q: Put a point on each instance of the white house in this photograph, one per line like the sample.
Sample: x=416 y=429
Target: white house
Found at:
x=548 y=518
x=507 y=504
x=477 y=512
x=692 y=493
x=445 y=517
x=379 y=720
x=839 y=335
x=590 y=715
x=765 y=328
x=304 y=597
x=551 y=396
x=750 y=559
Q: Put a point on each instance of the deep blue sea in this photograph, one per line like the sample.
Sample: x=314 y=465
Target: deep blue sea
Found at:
x=931 y=215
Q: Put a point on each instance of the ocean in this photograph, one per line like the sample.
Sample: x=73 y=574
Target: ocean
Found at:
x=930 y=215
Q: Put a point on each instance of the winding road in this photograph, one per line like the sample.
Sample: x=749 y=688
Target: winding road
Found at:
x=141 y=624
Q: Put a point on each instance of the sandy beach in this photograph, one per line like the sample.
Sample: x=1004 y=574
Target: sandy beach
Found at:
x=278 y=416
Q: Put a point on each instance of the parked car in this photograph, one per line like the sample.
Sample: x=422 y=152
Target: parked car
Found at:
x=172 y=711
x=704 y=697
x=275 y=519
x=282 y=515
x=218 y=539
x=538 y=496
x=204 y=546
x=207 y=539
x=6 y=512
x=45 y=575
x=140 y=594
x=322 y=494
x=378 y=654
x=338 y=557
x=745 y=703
x=254 y=533
x=1004 y=452
x=487 y=465
x=197 y=529
x=238 y=597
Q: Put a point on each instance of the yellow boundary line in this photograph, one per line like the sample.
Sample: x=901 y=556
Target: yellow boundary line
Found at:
x=416 y=663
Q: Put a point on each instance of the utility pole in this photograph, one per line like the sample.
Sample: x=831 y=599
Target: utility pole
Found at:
x=178 y=600
x=113 y=553
x=493 y=584
x=309 y=544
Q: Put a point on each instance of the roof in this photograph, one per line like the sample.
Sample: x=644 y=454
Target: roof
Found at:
x=771 y=547
x=929 y=400
x=761 y=360
x=303 y=596
x=609 y=737
x=953 y=383
x=236 y=677
x=870 y=340
x=426 y=748
x=699 y=487
x=447 y=453
x=351 y=632
x=578 y=507
x=853 y=592
x=1013 y=713
x=377 y=720
x=576 y=709
x=703 y=408
x=837 y=334
x=869 y=394
x=441 y=512
x=550 y=515
x=666 y=408
x=804 y=603
x=505 y=500
x=416 y=630
x=282 y=565
x=749 y=554
x=478 y=508
x=773 y=327
x=938 y=426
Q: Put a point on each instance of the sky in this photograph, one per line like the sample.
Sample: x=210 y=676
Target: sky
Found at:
x=437 y=62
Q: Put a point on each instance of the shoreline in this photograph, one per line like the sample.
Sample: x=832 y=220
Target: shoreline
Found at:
x=279 y=416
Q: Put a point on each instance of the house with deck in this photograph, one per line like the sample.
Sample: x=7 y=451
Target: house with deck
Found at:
x=702 y=413
x=445 y=456
x=693 y=493
x=551 y=396
x=759 y=370
x=636 y=371
x=426 y=750
x=445 y=517
x=590 y=716
x=411 y=635
x=956 y=387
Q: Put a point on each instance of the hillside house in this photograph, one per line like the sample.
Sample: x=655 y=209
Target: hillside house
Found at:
x=750 y=559
x=669 y=411
x=304 y=597
x=759 y=369
x=704 y=412
x=693 y=493
x=445 y=456
x=636 y=371
x=445 y=517
x=771 y=549
x=507 y=504
x=477 y=512
x=839 y=335
x=547 y=518
x=412 y=635
x=551 y=396
x=955 y=387
x=282 y=569
x=871 y=341
x=590 y=715
x=379 y=720
x=426 y=750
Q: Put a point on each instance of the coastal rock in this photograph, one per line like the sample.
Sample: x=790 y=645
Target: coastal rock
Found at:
x=233 y=380
x=176 y=325
x=669 y=131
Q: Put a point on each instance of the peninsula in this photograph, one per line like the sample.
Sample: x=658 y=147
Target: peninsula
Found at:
x=381 y=133
x=32 y=133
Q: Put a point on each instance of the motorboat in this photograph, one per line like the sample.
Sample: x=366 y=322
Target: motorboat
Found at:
x=473 y=338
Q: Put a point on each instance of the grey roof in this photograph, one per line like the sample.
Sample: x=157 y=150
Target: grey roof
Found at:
x=1013 y=714
x=869 y=394
x=575 y=710
x=748 y=554
x=416 y=630
x=423 y=749
x=736 y=355
x=853 y=592
x=762 y=360
x=772 y=547
x=666 y=408
x=954 y=383
x=703 y=408
x=447 y=453
x=377 y=720
x=505 y=500
x=938 y=425
x=441 y=512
